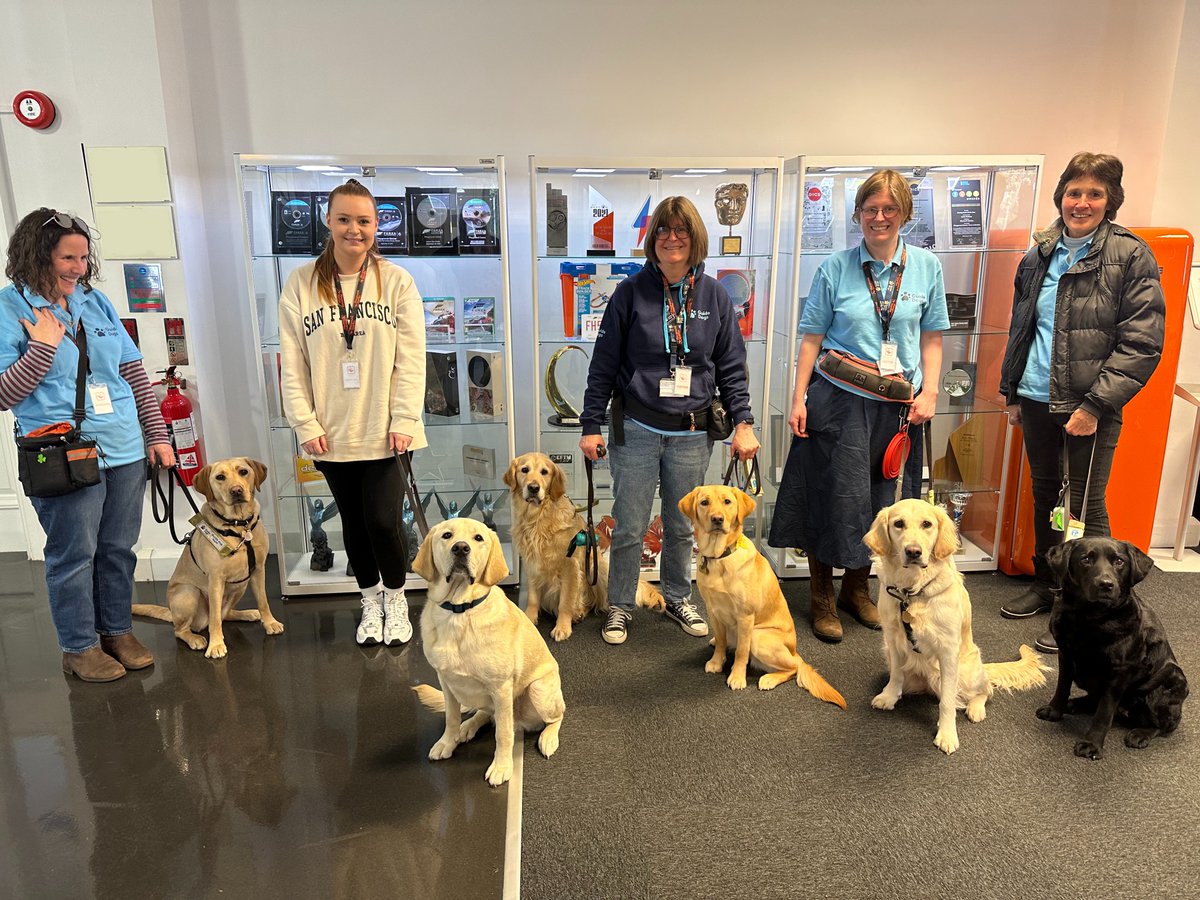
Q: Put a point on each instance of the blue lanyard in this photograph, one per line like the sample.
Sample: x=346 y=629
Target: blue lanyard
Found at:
x=675 y=324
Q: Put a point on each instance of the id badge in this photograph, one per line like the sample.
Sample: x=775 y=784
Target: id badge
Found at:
x=101 y=402
x=350 y=374
x=889 y=359
x=666 y=387
x=683 y=381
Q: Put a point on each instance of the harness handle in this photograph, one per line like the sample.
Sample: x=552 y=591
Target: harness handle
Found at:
x=168 y=499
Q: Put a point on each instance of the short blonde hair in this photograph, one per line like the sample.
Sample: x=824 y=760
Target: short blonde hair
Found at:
x=885 y=180
x=685 y=211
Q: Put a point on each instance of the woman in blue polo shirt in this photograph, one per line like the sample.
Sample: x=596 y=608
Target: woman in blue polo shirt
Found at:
x=90 y=533
x=884 y=302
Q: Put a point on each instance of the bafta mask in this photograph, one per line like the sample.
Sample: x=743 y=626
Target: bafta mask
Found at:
x=731 y=202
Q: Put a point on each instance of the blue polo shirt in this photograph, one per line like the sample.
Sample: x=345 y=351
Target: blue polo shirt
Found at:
x=839 y=306
x=118 y=434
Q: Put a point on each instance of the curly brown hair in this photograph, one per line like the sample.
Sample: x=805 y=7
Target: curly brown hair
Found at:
x=30 y=265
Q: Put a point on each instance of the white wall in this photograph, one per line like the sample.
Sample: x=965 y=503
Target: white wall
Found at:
x=572 y=78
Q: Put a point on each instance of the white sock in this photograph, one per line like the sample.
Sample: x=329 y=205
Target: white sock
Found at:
x=393 y=593
x=372 y=593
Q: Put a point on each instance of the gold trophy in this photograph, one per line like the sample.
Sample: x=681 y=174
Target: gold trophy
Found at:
x=731 y=206
x=572 y=372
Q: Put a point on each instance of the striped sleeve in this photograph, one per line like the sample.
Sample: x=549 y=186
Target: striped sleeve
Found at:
x=149 y=415
x=20 y=379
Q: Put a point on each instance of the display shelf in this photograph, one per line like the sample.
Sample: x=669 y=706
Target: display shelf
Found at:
x=460 y=265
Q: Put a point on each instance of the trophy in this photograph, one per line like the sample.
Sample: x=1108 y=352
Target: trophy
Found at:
x=602 y=224
x=570 y=368
x=451 y=510
x=731 y=206
x=412 y=539
x=641 y=223
x=318 y=515
x=556 y=222
x=487 y=509
x=959 y=498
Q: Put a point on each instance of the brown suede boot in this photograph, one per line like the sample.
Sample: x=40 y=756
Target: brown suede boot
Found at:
x=855 y=597
x=93 y=665
x=825 y=624
x=128 y=650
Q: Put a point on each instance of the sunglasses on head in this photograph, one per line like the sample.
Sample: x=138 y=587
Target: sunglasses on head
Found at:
x=67 y=221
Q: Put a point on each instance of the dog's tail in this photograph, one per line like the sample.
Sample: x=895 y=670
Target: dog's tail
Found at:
x=810 y=679
x=154 y=612
x=430 y=697
x=650 y=597
x=1019 y=675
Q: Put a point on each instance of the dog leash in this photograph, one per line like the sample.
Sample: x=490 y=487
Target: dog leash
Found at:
x=746 y=475
x=168 y=500
x=587 y=538
x=896 y=455
x=404 y=464
x=1064 y=497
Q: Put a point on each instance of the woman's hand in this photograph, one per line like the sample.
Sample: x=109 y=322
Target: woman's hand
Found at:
x=48 y=329
x=399 y=442
x=798 y=420
x=318 y=446
x=745 y=444
x=923 y=407
x=1014 y=414
x=1081 y=424
x=161 y=455
x=591 y=445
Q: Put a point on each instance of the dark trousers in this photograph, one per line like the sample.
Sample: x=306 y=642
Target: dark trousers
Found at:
x=369 y=495
x=1044 y=438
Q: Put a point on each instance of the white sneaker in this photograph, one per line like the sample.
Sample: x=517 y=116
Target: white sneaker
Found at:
x=370 y=627
x=397 y=629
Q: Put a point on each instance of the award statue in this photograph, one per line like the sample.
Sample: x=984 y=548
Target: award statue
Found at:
x=602 y=224
x=731 y=206
x=556 y=222
x=571 y=368
x=318 y=515
x=641 y=223
x=487 y=509
x=452 y=511
x=412 y=539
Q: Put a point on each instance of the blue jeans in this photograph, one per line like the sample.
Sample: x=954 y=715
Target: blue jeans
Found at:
x=89 y=555
x=677 y=465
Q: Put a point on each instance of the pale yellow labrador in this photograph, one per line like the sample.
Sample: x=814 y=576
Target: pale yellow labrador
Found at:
x=226 y=554
x=926 y=616
x=488 y=655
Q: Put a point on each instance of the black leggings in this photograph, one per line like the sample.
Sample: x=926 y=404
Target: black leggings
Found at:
x=369 y=495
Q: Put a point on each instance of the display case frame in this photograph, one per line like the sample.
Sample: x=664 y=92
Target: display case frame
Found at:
x=1006 y=211
x=476 y=268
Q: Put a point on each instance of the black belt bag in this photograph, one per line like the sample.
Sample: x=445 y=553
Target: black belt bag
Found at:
x=858 y=373
x=712 y=419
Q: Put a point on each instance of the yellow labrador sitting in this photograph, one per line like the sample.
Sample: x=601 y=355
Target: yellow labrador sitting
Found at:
x=741 y=593
x=926 y=617
x=226 y=554
x=488 y=655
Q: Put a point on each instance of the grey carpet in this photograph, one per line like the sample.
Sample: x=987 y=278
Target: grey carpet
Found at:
x=669 y=785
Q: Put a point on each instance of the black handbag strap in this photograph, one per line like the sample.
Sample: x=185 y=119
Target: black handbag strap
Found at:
x=404 y=464
x=81 y=344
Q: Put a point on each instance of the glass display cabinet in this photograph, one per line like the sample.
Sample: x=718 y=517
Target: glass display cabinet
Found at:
x=442 y=219
x=977 y=214
x=588 y=223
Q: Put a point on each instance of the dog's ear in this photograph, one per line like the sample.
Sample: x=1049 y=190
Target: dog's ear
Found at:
x=1139 y=563
x=558 y=482
x=947 y=539
x=687 y=505
x=260 y=473
x=496 y=569
x=423 y=564
x=1058 y=559
x=746 y=504
x=510 y=474
x=877 y=539
x=200 y=483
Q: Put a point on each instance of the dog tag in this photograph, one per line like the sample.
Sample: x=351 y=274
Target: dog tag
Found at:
x=101 y=402
x=350 y=374
x=906 y=616
x=683 y=381
x=889 y=359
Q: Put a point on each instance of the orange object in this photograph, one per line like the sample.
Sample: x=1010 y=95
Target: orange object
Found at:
x=1137 y=464
x=177 y=411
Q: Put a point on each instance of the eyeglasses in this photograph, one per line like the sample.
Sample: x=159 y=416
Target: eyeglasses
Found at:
x=889 y=212
x=680 y=232
x=67 y=222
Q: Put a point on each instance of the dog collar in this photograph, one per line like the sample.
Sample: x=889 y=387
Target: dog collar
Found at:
x=461 y=607
x=736 y=545
x=906 y=597
x=240 y=523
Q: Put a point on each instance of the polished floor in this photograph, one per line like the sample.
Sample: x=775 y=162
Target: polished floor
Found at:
x=296 y=767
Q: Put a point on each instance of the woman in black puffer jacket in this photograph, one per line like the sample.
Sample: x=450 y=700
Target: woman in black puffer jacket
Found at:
x=1086 y=335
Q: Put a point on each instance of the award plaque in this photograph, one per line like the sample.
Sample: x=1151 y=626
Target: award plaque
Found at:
x=817 y=223
x=477 y=220
x=919 y=232
x=432 y=215
x=961 y=310
x=292 y=222
x=556 y=222
x=731 y=206
x=959 y=383
x=641 y=223
x=602 y=224
x=566 y=381
x=320 y=205
x=441 y=383
x=391 y=239
x=966 y=212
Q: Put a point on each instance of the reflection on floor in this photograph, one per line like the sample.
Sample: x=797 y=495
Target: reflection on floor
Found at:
x=294 y=767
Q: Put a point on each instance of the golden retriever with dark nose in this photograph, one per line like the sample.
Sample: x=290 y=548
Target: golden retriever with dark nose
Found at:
x=926 y=616
x=488 y=655
x=226 y=554
x=741 y=593
x=544 y=526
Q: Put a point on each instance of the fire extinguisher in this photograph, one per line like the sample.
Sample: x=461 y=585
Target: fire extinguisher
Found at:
x=177 y=411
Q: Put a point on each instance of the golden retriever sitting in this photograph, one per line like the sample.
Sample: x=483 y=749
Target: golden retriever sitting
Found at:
x=926 y=617
x=544 y=525
x=488 y=655
x=227 y=552
x=743 y=599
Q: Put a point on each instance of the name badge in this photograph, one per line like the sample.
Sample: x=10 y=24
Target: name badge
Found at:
x=350 y=374
x=666 y=387
x=683 y=381
x=101 y=402
x=889 y=359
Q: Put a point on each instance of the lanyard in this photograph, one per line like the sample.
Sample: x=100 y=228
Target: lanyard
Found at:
x=348 y=321
x=675 y=320
x=885 y=318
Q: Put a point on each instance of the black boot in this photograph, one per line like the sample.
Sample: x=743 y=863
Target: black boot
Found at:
x=1046 y=643
x=1040 y=596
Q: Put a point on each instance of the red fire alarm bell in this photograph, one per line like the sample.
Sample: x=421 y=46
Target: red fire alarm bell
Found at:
x=35 y=109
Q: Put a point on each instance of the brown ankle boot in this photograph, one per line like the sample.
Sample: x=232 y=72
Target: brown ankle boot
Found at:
x=93 y=665
x=855 y=597
x=825 y=624
x=128 y=650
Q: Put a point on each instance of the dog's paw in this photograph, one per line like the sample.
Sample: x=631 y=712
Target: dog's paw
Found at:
x=216 y=650
x=249 y=615
x=1049 y=713
x=195 y=641
x=470 y=728
x=1139 y=738
x=1088 y=750
x=946 y=740
x=714 y=666
x=736 y=680
x=272 y=626
x=532 y=611
x=560 y=632
x=884 y=700
x=548 y=742
x=498 y=772
x=977 y=709
x=443 y=749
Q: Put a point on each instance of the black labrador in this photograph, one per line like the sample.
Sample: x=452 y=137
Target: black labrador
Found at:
x=1112 y=645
